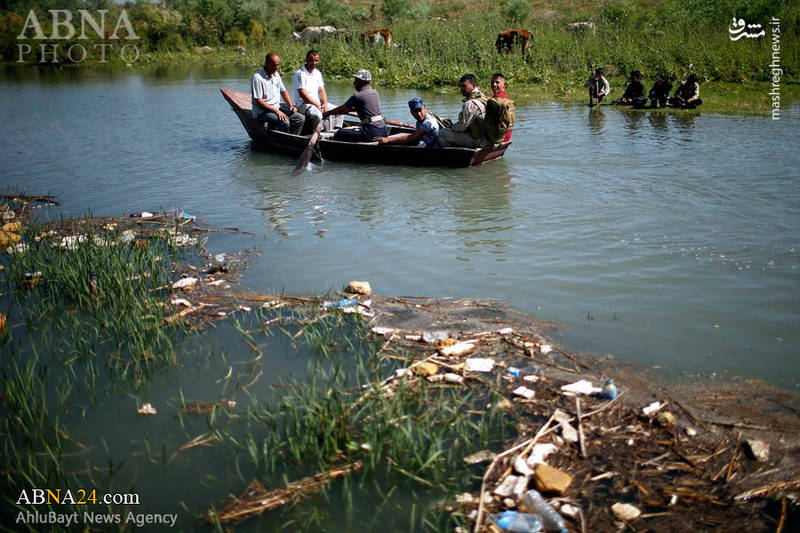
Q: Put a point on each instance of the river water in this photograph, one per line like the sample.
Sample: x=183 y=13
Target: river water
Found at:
x=669 y=240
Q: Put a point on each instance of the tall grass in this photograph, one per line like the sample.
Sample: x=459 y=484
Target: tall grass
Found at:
x=84 y=322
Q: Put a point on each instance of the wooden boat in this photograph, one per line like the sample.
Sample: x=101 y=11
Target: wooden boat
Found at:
x=277 y=141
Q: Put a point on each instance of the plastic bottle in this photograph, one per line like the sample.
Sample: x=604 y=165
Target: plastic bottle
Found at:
x=517 y=522
x=346 y=302
x=552 y=521
x=609 y=390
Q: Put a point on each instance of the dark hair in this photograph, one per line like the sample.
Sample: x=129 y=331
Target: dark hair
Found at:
x=470 y=78
x=311 y=52
x=692 y=78
x=636 y=74
x=498 y=75
x=599 y=70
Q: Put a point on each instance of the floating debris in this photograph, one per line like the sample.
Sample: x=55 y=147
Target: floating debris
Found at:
x=146 y=409
x=458 y=349
x=185 y=283
x=581 y=387
x=479 y=364
x=625 y=511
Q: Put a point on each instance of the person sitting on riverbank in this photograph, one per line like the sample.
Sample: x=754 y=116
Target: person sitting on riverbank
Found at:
x=427 y=127
x=309 y=94
x=687 y=95
x=634 y=92
x=467 y=131
x=267 y=90
x=367 y=105
x=598 y=86
x=498 y=85
x=659 y=94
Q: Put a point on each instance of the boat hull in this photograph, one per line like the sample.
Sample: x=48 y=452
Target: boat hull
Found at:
x=286 y=143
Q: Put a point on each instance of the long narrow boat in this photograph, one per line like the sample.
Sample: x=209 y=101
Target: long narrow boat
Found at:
x=276 y=141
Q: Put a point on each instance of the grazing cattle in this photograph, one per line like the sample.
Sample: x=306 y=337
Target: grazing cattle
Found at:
x=581 y=26
x=378 y=37
x=313 y=34
x=506 y=40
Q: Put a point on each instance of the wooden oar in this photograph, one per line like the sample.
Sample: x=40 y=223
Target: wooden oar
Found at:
x=305 y=157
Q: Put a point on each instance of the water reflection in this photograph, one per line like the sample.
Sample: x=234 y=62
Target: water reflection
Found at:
x=685 y=120
x=597 y=119
x=633 y=119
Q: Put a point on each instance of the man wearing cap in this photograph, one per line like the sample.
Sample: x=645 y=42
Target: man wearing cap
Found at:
x=267 y=90
x=367 y=105
x=467 y=132
x=427 y=128
x=309 y=94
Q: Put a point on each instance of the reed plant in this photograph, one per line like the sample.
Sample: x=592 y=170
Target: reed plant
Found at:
x=412 y=434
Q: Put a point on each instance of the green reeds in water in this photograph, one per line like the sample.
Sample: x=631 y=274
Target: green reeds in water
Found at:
x=84 y=321
x=94 y=294
x=410 y=434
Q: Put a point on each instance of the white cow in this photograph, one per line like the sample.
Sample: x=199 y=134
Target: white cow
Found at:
x=313 y=34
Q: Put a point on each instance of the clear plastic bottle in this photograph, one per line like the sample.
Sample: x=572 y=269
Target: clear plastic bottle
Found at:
x=517 y=522
x=552 y=521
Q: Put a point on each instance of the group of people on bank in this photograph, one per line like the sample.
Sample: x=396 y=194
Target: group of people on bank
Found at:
x=686 y=96
x=308 y=109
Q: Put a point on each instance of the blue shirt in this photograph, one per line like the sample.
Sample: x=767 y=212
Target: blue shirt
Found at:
x=431 y=129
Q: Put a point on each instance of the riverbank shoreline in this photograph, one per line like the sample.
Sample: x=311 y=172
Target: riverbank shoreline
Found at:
x=743 y=98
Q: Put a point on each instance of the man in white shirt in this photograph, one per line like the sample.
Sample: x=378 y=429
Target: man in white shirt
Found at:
x=309 y=92
x=267 y=90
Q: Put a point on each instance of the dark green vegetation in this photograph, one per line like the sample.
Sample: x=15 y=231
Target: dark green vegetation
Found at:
x=441 y=40
x=273 y=394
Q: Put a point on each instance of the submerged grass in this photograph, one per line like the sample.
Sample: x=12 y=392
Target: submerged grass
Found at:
x=346 y=410
x=85 y=321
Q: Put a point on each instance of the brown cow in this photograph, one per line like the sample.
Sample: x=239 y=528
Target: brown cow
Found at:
x=378 y=37
x=506 y=40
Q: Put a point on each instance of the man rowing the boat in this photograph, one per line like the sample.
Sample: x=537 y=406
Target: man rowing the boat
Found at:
x=367 y=105
x=267 y=90
x=309 y=94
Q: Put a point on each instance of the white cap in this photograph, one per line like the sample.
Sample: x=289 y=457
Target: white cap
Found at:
x=363 y=75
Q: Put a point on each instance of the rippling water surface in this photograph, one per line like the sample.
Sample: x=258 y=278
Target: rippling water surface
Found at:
x=665 y=239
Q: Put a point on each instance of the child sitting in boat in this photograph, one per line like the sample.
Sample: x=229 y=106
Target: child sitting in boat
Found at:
x=427 y=128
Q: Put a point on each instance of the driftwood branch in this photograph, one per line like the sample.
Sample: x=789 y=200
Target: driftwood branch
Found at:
x=256 y=499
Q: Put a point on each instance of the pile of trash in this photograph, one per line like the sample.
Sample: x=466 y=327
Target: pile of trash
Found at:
x=626 y=455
